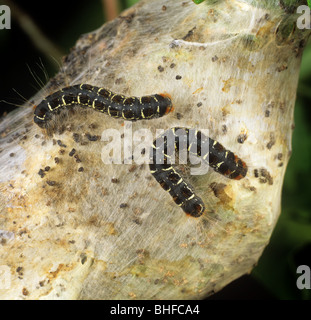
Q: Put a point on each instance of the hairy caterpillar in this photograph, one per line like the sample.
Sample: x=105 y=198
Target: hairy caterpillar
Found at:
x=105 y=101
x=220 y=159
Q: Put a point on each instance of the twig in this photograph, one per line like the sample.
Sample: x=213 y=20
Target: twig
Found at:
x=111 y=9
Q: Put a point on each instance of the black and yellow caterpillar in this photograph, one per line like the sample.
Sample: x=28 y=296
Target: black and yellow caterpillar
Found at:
x=115 y=105
x=105 y=101
x=220 y=159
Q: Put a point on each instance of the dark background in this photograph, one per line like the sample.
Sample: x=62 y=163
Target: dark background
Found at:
x=62 y=22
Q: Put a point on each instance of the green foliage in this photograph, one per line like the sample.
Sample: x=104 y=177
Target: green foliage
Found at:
x=198 y=1
x=130 y=3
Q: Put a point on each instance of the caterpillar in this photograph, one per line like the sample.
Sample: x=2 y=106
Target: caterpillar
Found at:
x=220 y=159
x=105 y=101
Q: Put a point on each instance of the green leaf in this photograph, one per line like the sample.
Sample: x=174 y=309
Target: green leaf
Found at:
x=199 y=1
x=130 y=3
x=309 y=3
